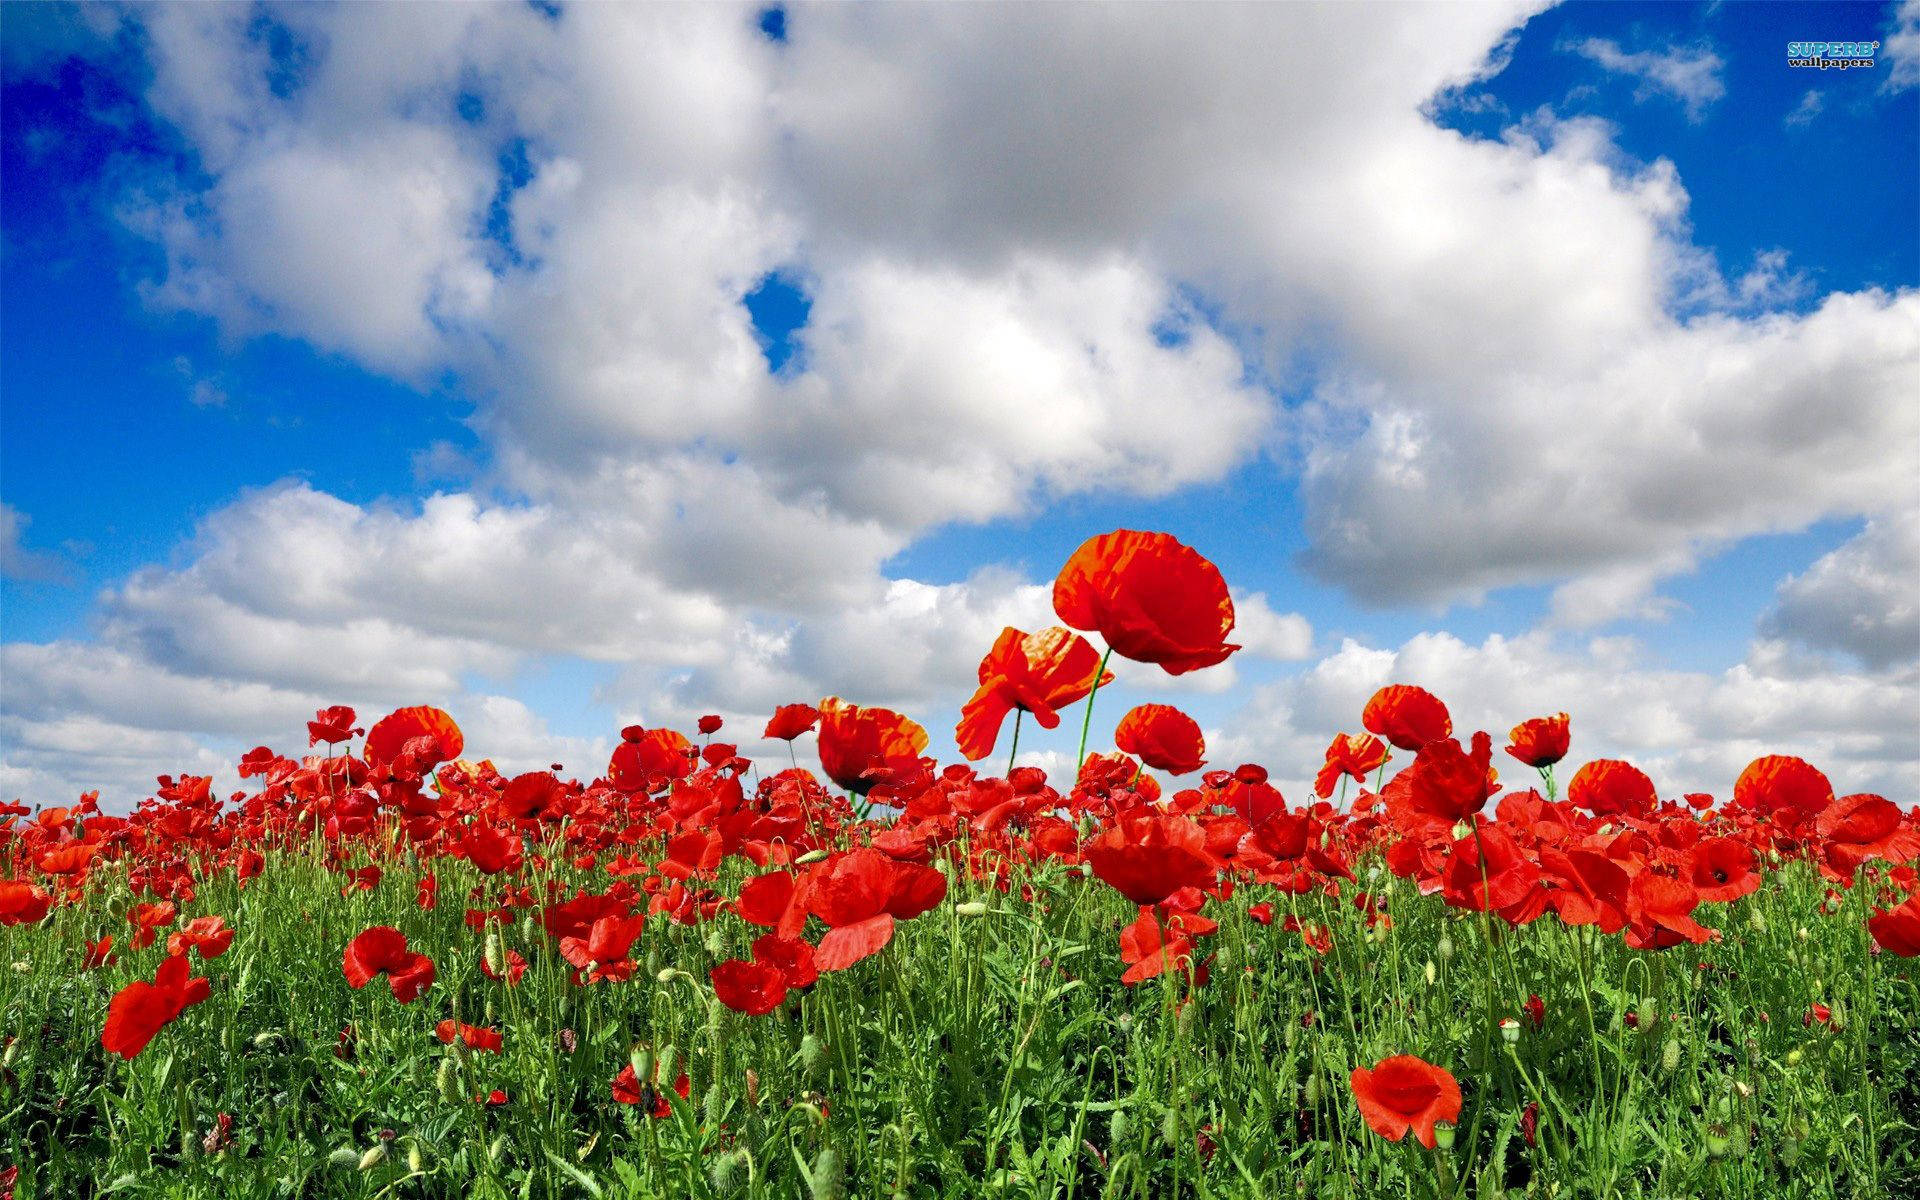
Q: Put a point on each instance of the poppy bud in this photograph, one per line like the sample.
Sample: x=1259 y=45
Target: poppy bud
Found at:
x=264 y=1039
x=373 y=1157
x=1794 y=1056
x=829 y=1176
x=713 y=1105
x=1431 y=973
x=725 y=1172
x=812 y=1055
x=345 y=1156
x=1670 y=1054
x=1170 y=1128
x=972 y=908
x=1444 y=948
x=496 y=962
x=1116 y=1129
x=810 y=857
x=447 y=1080
x=1313 y=1090
x=1510 y=1030
x=11 y=1053
x=497 y=1148
x=667 y=1059
x=1758 y=920
x=416 y=1161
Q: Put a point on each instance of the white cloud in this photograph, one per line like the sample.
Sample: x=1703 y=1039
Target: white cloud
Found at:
x=19 y=562
x=1901 y=48
x=1862 y=598
x=1811 y=105
x=1050 y=251
x=1689 y=74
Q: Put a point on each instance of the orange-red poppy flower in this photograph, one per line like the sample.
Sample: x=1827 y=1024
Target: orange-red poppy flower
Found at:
x=1357 y=757
x=856 y=741
x=1039 y=673
x=753 y=988
x=1898 y=929
x=382 y=950
x=1660 y=913
x=647 y=760
x=1542 y=741
x=1162 y=737
x=207 y=935
x=473 y=1037
x=331 y=725
x=1148 y=858
x=23 y=903
x=1151 y=598
x=1789 y=788
x=1721 y=869
x=1406 y=1093
x=392 y=734
x=1407 y=716
x=141 y=1009
x=789 y=721
x=1609 y=787
x=861 y=895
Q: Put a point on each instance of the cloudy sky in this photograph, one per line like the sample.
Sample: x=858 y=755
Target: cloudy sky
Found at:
x=574 y=366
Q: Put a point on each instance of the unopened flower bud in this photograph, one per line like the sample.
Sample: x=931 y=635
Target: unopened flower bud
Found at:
x=1510 y=1030
x=374 y=1156
x=972 y=908
x=829 y=1176
x=1670 y=1055
x=811 y=856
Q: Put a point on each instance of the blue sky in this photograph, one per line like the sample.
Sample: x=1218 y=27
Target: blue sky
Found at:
x=741 y=384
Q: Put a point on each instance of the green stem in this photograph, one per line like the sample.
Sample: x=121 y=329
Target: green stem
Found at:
x=1086 y=723
x=1014 y=749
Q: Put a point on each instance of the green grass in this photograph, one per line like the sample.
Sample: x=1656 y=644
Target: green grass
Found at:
x=991 y=1055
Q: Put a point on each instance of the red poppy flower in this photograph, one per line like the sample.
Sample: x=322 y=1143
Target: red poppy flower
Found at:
x=709 y=725
x=207 y=935
x=1540 y=742
x=750 y=987
x=1149 y=858
x=141 y=1009
x=1898 y=929
x=603 y=952
x=493 y=1099
x=1162 y=737
x=1721 y=869
x=149 y=919
x=792 y=957
x=856 y=741
x=331 y=725
x=647 y=760
x=1357 y=757
x=392 y=733
x=627 y=1089
x=1405 y=1093
x=1446 y=783
x=861 y=897
x=1407 y=716
x=1039 y=673
x=789 y=721
x=382 y=950
x=23 y=903
x=1151 y=598
x=474 y=1037
x=1152 y=945
x=1660 y=913
x=1789 y=788
x=489 y=848
x=1536 y=1010
x=1608 y=787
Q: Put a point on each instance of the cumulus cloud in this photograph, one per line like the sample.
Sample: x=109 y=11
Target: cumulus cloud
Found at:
x=1862 y=599
x=1050 y=251
x=1689 y=74
x=16 y=560
x=1901 y=49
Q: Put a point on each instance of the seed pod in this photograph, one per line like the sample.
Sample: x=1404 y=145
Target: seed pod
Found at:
x=640 y=1058
x=829 y=1176
x=1443 y=1135
x=724 y=1174
x=375 y=1155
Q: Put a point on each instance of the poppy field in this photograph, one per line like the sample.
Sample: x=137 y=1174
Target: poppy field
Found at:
x=386 y=969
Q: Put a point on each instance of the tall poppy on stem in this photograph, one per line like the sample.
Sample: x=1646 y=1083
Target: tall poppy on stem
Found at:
x=1151 y=598
x=1162 y=737
x=141 y=1009
x=856 y=741
x=1038 y=673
